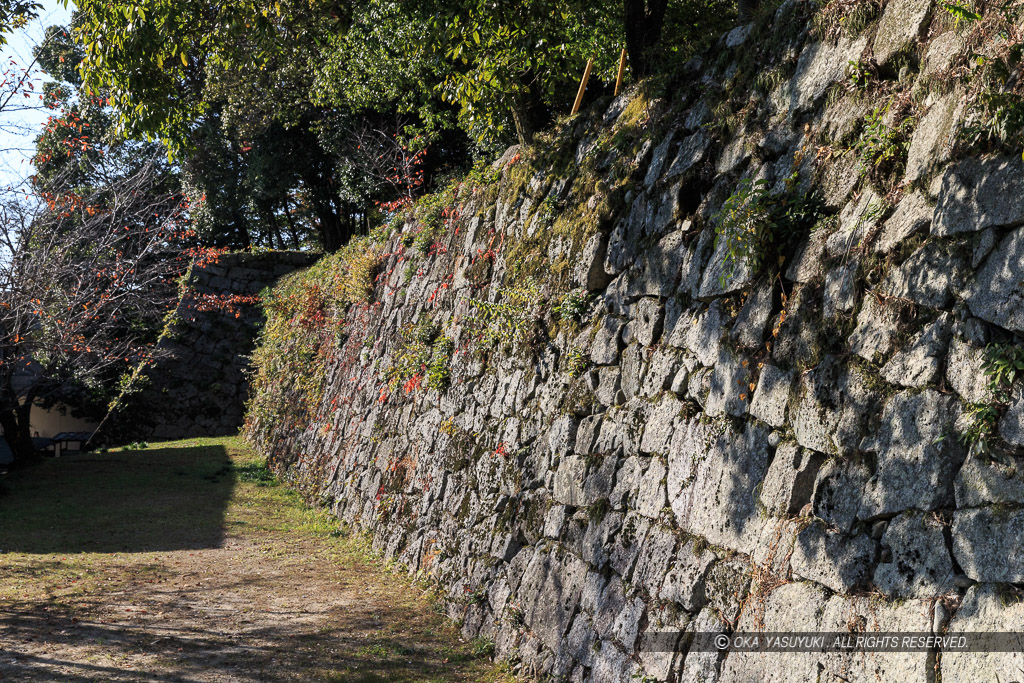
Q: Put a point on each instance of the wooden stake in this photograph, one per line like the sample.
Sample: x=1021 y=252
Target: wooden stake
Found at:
x=622 y=72
x=583 y=87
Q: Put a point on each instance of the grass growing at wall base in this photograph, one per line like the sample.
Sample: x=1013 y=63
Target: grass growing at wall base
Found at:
x=104 y=555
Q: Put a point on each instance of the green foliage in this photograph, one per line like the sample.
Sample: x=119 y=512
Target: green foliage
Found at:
x=379 y=62
x=574 y=305
x=744 y=224
x=482 y=647
x=424 y=354
x=576 y=362
x=861 y=74
x=981 y=431
x=881 y=148
x=256 y=473
x=547 y=211
x=305 y=317
x=996 y=101
x=1002 y=365
x=14 y=14
x=758 y=227
x=512 y=318
x=439 y=368
x=512 y=56
x=845 y=18
x=960 y=12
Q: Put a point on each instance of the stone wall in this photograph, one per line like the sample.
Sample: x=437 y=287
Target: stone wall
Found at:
x=200 y=389
x=704 y=453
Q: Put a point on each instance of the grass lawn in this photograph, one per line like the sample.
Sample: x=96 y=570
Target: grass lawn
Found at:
x=187 y=561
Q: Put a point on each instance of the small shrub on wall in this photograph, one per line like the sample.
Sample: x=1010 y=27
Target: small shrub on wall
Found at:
x=305 y=318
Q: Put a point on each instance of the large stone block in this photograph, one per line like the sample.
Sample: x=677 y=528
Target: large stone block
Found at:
x=684 y=580
x=833 y=559
x=918 y=455
x=975 y=194
x=550 y=592
x=772 y=395
x=901 y=25
x=985 y=608
x=932 y=142
x=988 y=543
x=911 y=215
x=930 y=276
x=790 y=480
x=820 y=66
x=713 y=474
x=920 y=362
x=997 y=294
x=919 y=565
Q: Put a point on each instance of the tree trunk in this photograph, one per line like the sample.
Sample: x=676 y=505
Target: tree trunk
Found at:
x=319 y=185
x=521 y=120
x=15 y=422
x=292 y=231
x=644 y=21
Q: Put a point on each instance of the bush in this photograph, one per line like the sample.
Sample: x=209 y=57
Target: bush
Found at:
x=882 y=148
x=305 y=316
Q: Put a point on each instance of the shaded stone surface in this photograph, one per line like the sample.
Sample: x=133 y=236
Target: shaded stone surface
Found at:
x=920 y=565
x=917 y=455
x=997 y=294
x=974 y=192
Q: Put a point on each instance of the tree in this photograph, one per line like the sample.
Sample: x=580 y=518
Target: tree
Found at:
x=225 y=86
x=643 y=20
x=229 y=91
x=85 y=273
x=14 y=14
x=85 y=283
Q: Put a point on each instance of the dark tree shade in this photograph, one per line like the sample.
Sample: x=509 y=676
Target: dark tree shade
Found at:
x=643 y=20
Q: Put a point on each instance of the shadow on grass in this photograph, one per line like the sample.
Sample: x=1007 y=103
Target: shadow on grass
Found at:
x=133 y=501
x=355 y=652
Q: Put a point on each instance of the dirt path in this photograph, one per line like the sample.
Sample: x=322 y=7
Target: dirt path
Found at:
x=185 y=562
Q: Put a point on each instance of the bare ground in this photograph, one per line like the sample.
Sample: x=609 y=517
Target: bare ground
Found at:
x=185 y=562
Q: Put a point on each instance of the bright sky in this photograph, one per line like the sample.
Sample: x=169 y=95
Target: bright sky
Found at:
x=19 y=125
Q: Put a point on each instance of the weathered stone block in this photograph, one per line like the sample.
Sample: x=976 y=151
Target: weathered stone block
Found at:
x=988 y=543
x=822 y=64
x=790 y=480
x=912 y=214
x=877 y=326
x=901 y=25
x=730 y=391
x=833 y=559
x=607 y=342
x=965 y=372
x=550 y=591
x=772 y=395
x=920 y=565
x=997 y=294
x=856 y=221
x=918 y=455
x=712 y=477
x=648 y=319
x=661 y=425
x=837 y=491
x=920 y=362
x=930 y=276
x=974 y=192
x=932 y=142
x=986 y=609
x=650 y=498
